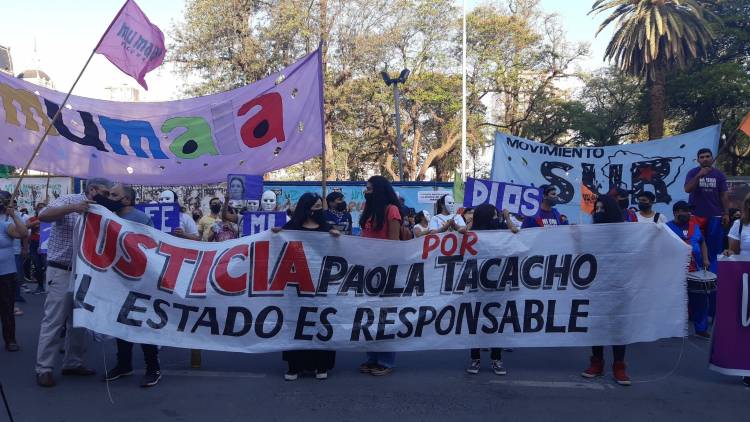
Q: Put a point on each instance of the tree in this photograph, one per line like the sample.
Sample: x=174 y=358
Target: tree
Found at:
x=654 y=37
x=223 y=44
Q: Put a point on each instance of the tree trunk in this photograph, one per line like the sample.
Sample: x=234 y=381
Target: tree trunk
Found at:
x=657 y=95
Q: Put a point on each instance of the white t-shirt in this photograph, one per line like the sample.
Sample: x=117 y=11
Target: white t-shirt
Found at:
x=642 y=219
x=438 y=221
x=734 y=233
x=187 y=224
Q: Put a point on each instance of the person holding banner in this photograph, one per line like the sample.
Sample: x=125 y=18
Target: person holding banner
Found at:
x=125 y=196
x=188 y=229
x=688 y=229
x=486 y=218
x=645 y=212
x=739 y=243
x=64 y=213
x=623 y=201
x=547 y=215
x=709 y=197
x=381 y=219
x=11 y=227
x=606 y=211
x=445 y=218
x=309 y=216
x=421 y=225
x=337 y=214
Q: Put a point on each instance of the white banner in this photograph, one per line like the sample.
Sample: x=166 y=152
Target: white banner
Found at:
x=657 y=166
x=566 y=286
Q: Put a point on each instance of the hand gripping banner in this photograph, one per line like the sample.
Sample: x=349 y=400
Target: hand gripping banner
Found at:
x=566 y=286
x=268 y=125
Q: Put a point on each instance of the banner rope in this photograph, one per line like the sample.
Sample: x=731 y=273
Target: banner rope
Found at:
x=671 y=372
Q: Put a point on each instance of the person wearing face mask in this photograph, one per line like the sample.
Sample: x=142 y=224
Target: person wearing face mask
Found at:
x=337 y=215
x=607 y=211
x=445 y=218
x=64 y=213
x=645 y=212
x=623 y=201
x=207 y=225
x=308 y=216
x=688 y=229
x=547 y=215
x=125 y=197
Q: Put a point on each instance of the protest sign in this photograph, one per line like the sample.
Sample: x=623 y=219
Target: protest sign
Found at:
x=166 y=217
x=260 y=221
x=241 y=187
x=44 y=231
x=306 y=290
x=730 y=349
x=517 y=199
x=431 y=196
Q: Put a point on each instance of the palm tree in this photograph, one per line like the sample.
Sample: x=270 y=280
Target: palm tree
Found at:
x=654 y=37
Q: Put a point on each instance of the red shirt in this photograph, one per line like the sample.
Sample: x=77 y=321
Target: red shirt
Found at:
x=35 y=231
x=391 y=213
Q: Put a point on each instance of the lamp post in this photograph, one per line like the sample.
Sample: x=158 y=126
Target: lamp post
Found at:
x=401 y=79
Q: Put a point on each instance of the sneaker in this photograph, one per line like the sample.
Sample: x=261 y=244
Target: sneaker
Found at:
x=17 y=311
x=116 y=373
x=321 y=375
x=704 y=335
x=474 y=367
x=595 y=369
x=746 y=381
x=78 y=371
x=367 y=367
x=45 y=379
x=12 y=347
x=497 y=367
x=150 y=379
x=618 y=372
x=291 y=376
x=379 y=371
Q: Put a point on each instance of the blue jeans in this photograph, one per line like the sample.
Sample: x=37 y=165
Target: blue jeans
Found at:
x=386 y=359
x=700 y=304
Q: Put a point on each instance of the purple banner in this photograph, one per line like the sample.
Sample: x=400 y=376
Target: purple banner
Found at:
x=730 y=351
x=268 y=125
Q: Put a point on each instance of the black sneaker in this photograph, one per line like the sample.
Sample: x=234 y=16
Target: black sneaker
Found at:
x=474 y=367
x=116 y=373
x=150 y=379
x=497 y=367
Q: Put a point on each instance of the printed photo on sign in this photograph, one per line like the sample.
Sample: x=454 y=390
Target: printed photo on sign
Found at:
x=241 y=187
x=517 y=199
x=166 y=217
x=256 y=222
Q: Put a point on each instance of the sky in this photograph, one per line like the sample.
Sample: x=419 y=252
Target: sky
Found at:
x=64 y=32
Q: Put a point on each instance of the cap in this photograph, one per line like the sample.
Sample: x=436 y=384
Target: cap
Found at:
x=681 y=206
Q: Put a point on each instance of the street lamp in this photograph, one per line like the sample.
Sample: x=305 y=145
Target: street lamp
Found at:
x=401 y=79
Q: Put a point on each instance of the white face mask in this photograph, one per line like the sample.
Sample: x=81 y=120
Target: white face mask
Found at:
x=167 y=197
x=268 y=201
x=253 y=205
x=450 y=204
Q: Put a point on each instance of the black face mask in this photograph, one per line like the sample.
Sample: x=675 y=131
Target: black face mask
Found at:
x=623 y=203
x=341 y=206
x=683 y=219
x=196 y=217
x=552 y=200
x=109 y=204
x=317 y=216
x=644 y=207
x=215 y=208
x=598 y=217
x=368 y=196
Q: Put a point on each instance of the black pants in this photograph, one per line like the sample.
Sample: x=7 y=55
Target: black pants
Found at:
x=125 y=355
x=38 y=260
x=617 y=351
x=309 y=360
x=496 y=353
x=7 y=303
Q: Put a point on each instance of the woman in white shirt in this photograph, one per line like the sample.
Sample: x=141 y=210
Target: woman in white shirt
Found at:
x=446 y=218
x=739 y=242
x=420 y=224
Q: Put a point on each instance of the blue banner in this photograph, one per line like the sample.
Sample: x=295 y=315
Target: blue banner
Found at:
x=657 y=166
x=166 y=217
x=517 y=199
x=260 y=221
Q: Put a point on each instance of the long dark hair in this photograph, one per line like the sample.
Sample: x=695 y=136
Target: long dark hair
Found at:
x=441 y=204
x=303 y=210
x=612 y=212
x=376 y=203
x=419 y=218
x=484 y=217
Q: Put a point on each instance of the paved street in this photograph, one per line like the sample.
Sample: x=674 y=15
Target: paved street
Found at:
x=541 y=385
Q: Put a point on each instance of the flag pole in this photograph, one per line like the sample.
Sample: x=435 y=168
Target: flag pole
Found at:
x=49 y=128
x=65 y=101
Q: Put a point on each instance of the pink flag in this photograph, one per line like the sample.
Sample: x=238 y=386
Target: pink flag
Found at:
x=133 y=43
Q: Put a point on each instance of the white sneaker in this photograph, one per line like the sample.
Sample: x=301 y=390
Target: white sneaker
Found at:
x=291 y=376
x=321 y=375
x=474 y=367
x=497 y=367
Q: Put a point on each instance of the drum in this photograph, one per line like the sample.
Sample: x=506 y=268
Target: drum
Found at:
x=701 y=282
